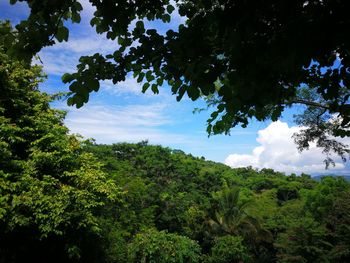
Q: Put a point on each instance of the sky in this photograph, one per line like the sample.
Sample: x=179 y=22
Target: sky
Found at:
x=122 y=113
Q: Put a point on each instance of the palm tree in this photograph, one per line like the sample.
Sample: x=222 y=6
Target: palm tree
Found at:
x=231 y=217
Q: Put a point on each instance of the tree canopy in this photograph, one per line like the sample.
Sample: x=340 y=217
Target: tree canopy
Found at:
x=233 y=214
x=67 y=200
x=251 y=59
x=51 y=191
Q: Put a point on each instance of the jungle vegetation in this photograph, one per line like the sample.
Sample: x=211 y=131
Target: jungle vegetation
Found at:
x=248 y=59
x=65 y=199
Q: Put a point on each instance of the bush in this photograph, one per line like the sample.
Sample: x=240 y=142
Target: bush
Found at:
x=229 y=249
x=159 y=246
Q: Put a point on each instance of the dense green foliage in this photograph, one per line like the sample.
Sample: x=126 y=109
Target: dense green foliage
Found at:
x=229 y=249
x=233 y=214
x=67 y=200
x=154 y=246
x=251 y=58
x=51 y=191
x=59 y=204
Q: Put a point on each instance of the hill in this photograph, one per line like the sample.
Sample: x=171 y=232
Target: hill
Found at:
x=319 y=177
x=258 y=213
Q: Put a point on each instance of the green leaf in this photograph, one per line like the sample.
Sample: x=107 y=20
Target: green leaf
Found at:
x=121 y=41
x=166 y=18
x=62 y=34
x=66 y=77
x=117 y=55
x=160 y=81
x=145 y=87
x=75 y=86
x=149 y=76
x=150 y=16
x=111 y=35
x=136 y=67
x=76 y=18
x=78 y=101
x=70 y=101
x=193 y=92
x=85 y=96
x=181 y=92
x=93 y=84
x=94 y=21
x=140 y=25
x=154 y=88
x=101 y=27
x=141 y=76
x=175 y=86
x=170 y=9
x=78 y=6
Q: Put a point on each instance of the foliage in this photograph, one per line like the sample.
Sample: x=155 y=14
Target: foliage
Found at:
x=188 y=191
x=162 y=172
x=320 y=200
x=67 y=200
x=229 y=249
x=231 y=215
x=305 y=241
x=154 y=246
x=231 y=52
x=338 y=226
x=51 y=191
x=176 y=194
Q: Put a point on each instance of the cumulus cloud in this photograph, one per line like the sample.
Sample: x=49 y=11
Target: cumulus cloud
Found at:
x=278 y=151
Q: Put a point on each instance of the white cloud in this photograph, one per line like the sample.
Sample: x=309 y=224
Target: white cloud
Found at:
x=278 y=151
x=63 y=57
x=131 y=115
x=56 y=64
x=130 y=85
x=86 y=45
x=131 y=123
x=168 y=124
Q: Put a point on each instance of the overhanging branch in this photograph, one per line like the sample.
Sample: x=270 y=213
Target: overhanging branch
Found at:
x=310 y=103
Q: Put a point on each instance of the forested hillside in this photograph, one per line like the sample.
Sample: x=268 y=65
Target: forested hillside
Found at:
x=63 y=199
x=231 y=214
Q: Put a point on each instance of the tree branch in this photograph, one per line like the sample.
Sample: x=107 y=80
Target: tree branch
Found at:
x=310 y=103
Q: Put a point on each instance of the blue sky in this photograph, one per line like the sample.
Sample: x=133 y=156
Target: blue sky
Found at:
x=119 y=113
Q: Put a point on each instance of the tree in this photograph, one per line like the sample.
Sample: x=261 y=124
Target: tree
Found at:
x=231 y=217
x=51 y=192
x=320 y=200
x=305 y=241
x=250 y=59
x=338 y=226
x=159 y=246
x=229 y=249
